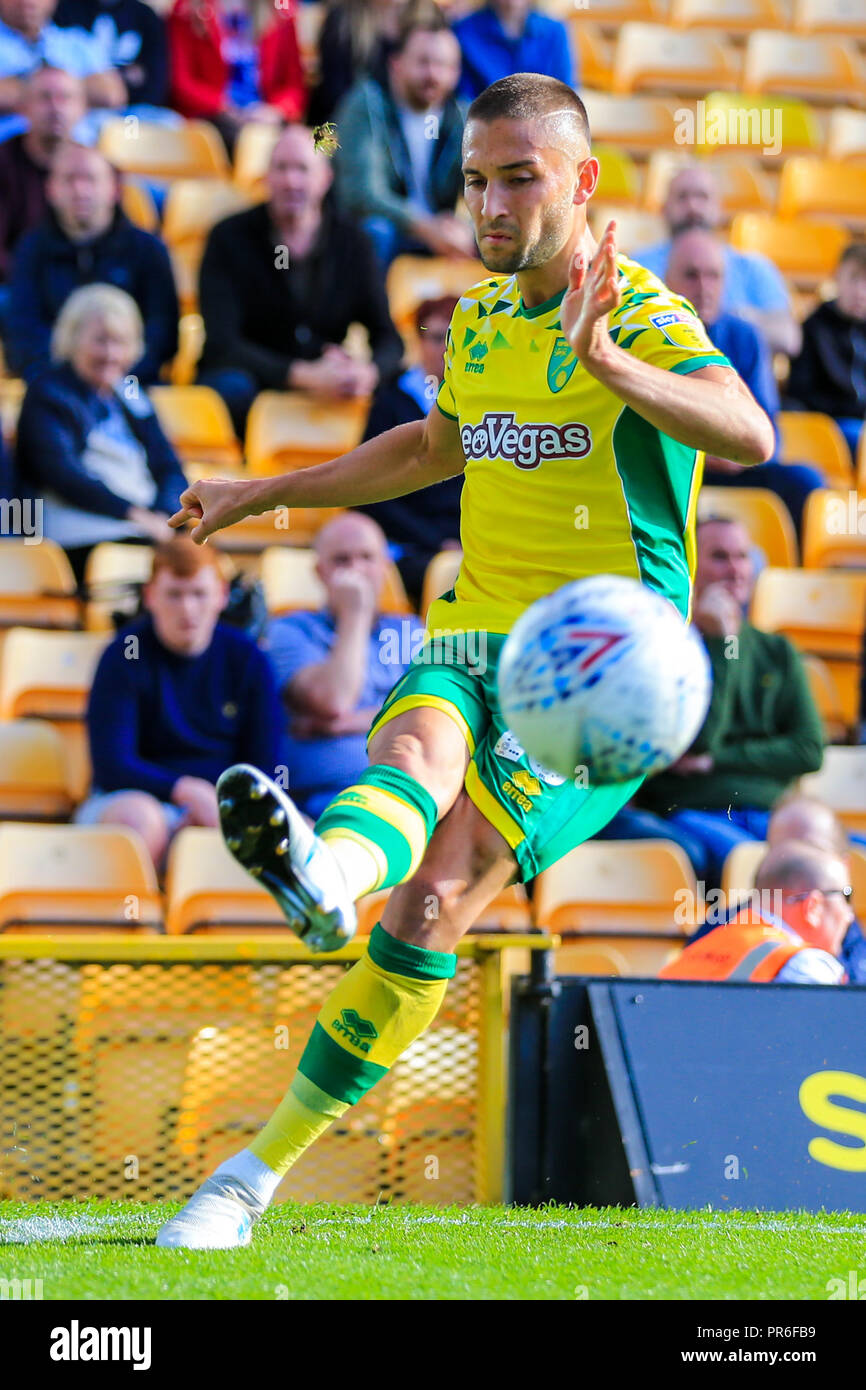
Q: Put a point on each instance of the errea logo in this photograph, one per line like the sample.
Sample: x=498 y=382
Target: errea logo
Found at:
x=527 y=445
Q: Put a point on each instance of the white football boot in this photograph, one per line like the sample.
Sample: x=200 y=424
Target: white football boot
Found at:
x=219 y=1216
x=266 y=833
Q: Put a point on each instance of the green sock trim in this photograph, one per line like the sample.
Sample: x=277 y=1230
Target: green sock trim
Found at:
x=402 y=958
x=314 y=1098
x=404 y=785
x=335 y=1071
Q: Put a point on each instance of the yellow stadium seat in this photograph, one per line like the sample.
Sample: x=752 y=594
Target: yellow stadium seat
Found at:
x=189 y=151
x=137 y=202
x=635 y=228
x=823 y=187
x=821 y=611
x=610 y=886
x=197 y=423
x=846 y=134
x=192 y=206
x=290 y=583
x=576 y=958
x=594 y=52
x=289 y=429
x=773 y=126
x=185 y=262
x=845 y=17
x=812 y=67
x=37 y=586
x=190 y=333
x=809 y=437
x=609 y=14
x=740 y=184
x=412 y=279
x=825 y=693
x=764 y=515
x=614 y=954
x=618 y=180
x=86 y=878
x=112 y=577
x=633 y=123
x=805 y=251
x=34 y=774
x=651 y=57
x=734 y=17
x=369 y=910
x=12 y=390
x=841 y=782
x=439 y=577
x=860 y=467
x=510 y=910
x=253 y=151
x=834 y=530
x=207 y=890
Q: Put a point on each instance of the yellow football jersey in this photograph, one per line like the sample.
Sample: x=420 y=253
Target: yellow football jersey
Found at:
x=563 y=480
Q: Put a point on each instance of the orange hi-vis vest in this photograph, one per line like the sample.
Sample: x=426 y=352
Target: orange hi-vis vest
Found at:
x=742 y=949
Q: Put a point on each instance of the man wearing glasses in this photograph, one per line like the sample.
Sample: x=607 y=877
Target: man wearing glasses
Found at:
x=790 y=932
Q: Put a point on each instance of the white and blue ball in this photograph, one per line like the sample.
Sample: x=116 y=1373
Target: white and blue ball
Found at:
x=604 y=675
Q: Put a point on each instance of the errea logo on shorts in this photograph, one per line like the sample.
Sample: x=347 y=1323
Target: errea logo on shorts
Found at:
x=499 y=436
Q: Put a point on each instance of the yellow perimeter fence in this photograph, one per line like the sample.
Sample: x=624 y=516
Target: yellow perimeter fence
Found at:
x=130 y=1067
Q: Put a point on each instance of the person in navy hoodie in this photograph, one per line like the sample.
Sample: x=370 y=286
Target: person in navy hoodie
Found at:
x=509 y=36
x=89 y=443
x=84 y=239
x=133 y=39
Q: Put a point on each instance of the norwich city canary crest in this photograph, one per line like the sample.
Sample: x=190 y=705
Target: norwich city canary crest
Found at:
x=561 y=365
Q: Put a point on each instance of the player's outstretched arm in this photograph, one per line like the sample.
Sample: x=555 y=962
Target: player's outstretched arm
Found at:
x=399 y=461
x=710 y=409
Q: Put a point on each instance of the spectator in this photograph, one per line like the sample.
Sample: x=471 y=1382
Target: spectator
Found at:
x=798 y=942
x=799 y=817
x=29 y=39
x=696 y=270
x=220 y=72
x=356 y=39
x=177 y=697
x=754 y=288
x=421 y=524
x=762 y=730
x=280 y=285
x=335 y=666
x=89 y=442
x=53 y=104
x=132 y=37
x=829 y=374
x=510 y=36
x=86 y=238
x=399 y=161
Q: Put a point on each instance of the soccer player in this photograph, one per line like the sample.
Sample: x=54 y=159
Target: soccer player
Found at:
x=579 y=397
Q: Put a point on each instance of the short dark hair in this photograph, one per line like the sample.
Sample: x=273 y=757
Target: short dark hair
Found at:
x=523 y=96
x=856 y=252
x=422 y=17
x=444 y=305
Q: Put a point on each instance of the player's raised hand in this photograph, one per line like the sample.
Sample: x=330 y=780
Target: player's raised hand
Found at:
x=593 y=292
x=214 y=503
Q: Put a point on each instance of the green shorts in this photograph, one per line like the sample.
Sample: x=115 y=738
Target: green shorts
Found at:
x=541 y=814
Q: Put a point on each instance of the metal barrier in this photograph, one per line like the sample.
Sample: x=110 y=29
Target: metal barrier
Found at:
x=130 y=1067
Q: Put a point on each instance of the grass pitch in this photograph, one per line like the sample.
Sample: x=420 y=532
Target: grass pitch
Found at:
x=104 y=1250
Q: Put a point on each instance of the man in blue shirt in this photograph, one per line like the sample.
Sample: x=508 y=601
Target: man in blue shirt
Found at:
x=696 y=270
x=28 y=39
x=508 y=36
x=753 y=286
x=176 y=699
x=335 y=665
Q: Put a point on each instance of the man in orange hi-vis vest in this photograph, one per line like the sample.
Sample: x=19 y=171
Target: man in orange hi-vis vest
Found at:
x=791 y=931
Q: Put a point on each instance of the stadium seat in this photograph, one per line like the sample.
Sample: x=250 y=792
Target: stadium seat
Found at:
x=576 y=958
x=633 y=123
x=635 y=228
x=834 y=530
x=618 y=180
x=734 y=17
x=185 y=262
x=846 y=134
x=137 y=202
x=764 y=515
x=841 y=782
x=253 y=150
x=112 y=578
x=823 y=187
x=616 y=886
x=806 y=252
x=509 y=911
x=37 y=586
x=812 y=67
x=72 y=877
x=636 y=953
x=12 y=390
x=197 y=423
x=192 y=206
x=609 y=15
x=439 y=577
x=412 y=279
x=651 y=57
x=290 y=583
x=207 y=891
x=34 y=777
x=190 y=333
x=809 y=437
x=289 y=429
x=748 y=120
x=594 y=54
x=830 y=17
x=741 y=185
x=860 y=467
x=825 y=693
x=741 y=866
x=189 y=151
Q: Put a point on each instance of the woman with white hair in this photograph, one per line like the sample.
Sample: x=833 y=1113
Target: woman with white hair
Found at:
x=89 y=443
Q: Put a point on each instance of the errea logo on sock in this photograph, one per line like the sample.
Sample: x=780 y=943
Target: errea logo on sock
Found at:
x=77 y=1343
x=359 y=1031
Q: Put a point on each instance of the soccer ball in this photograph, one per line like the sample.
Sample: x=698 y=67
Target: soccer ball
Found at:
x=603 y=675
